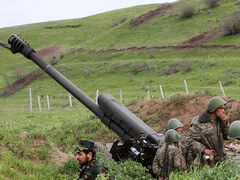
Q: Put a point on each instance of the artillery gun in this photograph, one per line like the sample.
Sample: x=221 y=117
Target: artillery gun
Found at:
x=140 y=142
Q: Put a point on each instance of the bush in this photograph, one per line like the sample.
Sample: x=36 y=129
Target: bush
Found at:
x=232 y=25
x=128 y=169
x=187 y=11
x=70 y=168
x=212 y=3
x=181 y=97
x=222 y=171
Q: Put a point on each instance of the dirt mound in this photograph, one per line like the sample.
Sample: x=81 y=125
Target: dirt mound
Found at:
x=202 y=38
x=59 y=157
x=50 y=51
x=151 y=14
x=157 y=112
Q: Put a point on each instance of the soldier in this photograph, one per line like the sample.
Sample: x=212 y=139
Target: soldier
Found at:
x=209 y=131
x=194 y=120
x=234 y=130
x=172 y=124
x=89 y=166
x=187 y=147
x=169 y=157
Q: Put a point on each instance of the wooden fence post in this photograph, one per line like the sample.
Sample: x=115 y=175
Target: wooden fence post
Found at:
x=48 y=105
x=222 y=89
x=160 y=87
x=39 y=104
x=30 y=100
x=70 y=99
x=185 y=82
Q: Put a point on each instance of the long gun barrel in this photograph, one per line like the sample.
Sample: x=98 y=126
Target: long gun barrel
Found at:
x=112 y=113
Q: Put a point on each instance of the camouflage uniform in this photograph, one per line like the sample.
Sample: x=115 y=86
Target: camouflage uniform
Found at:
x=90 y=170
x=162 y=141
x=187 y=148
x=206 y=133
x=175 y=159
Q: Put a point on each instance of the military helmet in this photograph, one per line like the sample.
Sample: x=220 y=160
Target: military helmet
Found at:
x=215 y=102
x=84 y=145
x=171 y=136
x=194 y=119
x=174 y=124
x=234 y=129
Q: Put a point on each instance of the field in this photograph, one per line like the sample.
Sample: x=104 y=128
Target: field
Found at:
x=133 y=50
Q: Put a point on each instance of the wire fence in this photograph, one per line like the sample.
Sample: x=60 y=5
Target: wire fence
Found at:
x=52 y=104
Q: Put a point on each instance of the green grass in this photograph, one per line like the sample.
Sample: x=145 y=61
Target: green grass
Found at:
x=134 y=72
x=13 y=168
x=225 y=170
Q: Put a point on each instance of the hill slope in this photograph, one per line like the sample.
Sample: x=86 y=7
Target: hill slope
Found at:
x=159 y=27
x=132 y=51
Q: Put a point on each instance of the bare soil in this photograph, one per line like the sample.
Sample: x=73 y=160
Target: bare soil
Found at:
x=202 y=37
x=59 y=157
x=157 y=112
x=151 y=14
x=50 y=51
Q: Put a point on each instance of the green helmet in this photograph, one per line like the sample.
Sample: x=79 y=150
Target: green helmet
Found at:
x=234 y=129
x=214 y=103
x=194 y=119
x=174 y=124
x=171 y=136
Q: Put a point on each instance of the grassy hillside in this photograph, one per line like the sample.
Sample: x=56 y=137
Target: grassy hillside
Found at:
x=82 y=59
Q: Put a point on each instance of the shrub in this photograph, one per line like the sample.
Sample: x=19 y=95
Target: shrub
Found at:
x=212 y=3
x=70 y=168
x=183 y=66
x=187 y=11
x=181 y=97
x=232 y=25
x=225 y=170
x=128 y=169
